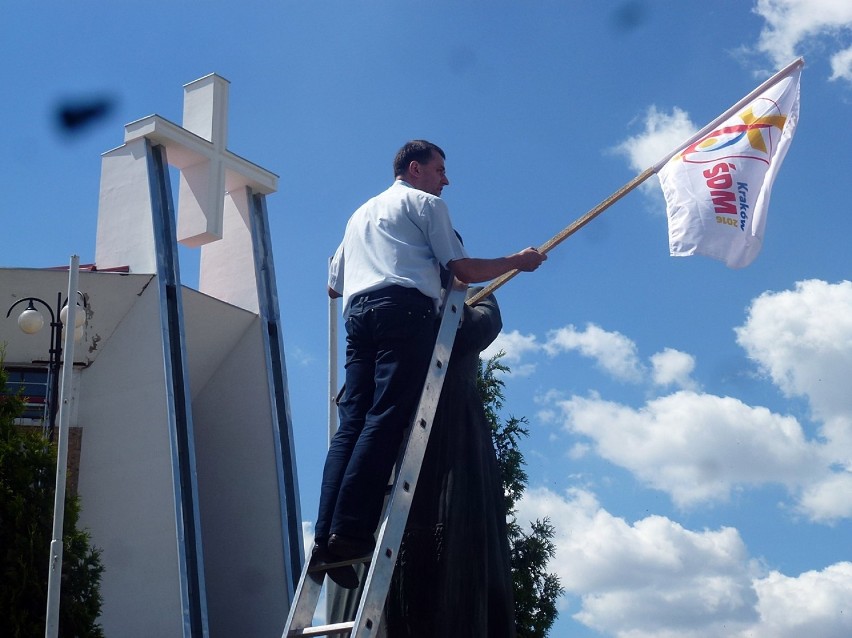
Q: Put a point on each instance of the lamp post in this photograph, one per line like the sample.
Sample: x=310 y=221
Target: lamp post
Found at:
x=31 y=321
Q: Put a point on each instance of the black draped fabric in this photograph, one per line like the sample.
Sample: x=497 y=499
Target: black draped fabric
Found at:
x=453 y=575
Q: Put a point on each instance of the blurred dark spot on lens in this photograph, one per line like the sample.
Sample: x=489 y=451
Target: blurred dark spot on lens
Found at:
x=75 y=116
x=628 y=16
x=462 y=59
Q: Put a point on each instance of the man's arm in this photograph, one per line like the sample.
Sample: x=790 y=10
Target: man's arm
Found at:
x=474 y=269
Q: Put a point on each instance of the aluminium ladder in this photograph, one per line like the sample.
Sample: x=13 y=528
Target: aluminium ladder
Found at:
x=383 y=560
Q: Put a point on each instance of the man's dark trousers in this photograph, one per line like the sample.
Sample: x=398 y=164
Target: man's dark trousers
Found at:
x=390 y=334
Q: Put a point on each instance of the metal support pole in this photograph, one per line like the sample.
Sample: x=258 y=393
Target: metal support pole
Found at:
x=55 y=357
x=55 y=566
x=333 y=388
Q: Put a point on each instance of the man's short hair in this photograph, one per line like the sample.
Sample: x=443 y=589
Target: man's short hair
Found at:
x=414 y=151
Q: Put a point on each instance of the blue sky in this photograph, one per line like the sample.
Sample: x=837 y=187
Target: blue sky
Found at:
x=690 y=425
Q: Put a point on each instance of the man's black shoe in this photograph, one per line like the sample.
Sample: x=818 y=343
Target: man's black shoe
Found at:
x=347 y=547
x=344 y=576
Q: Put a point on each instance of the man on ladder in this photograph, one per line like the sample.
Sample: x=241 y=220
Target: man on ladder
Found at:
x=387 y=269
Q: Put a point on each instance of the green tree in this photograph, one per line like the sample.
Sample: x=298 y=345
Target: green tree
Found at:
x=27 y=487
x=536 y=591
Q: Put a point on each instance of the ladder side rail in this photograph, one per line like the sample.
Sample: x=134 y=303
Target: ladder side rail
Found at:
x=392 y=529
x=304 y=604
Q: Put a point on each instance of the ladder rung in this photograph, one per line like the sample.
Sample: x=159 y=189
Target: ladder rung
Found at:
x=322 y=630
x=324 y=567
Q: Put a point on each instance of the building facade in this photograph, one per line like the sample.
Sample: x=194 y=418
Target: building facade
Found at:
x=186 y=464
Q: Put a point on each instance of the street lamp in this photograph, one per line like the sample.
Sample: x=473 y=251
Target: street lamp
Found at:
x=31 y=321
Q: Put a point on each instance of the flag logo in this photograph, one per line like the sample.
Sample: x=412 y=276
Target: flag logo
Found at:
x=753 y=139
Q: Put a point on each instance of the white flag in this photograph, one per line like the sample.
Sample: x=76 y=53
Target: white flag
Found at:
x=717 y=188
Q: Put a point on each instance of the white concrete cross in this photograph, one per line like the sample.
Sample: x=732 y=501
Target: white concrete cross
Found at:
x=207 y=169
x=213 y=204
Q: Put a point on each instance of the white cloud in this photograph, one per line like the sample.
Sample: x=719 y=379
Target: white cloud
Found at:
x=663 y=133
x=841 y=65
x=697 y=447
x=673 y=367
x=792 y=24
x=829 y=498
x=578 y=451
x=802 y=339
x=656 y=579
x=817 y=603
x=516 y=347
x=308 y=542
x=308 y=537
x=612 y=351
x=649 y=578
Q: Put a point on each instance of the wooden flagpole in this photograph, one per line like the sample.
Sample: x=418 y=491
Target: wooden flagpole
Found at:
x=567 y=232
x=609 y=201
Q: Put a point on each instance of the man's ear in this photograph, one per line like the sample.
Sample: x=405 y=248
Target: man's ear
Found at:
x=414 y=167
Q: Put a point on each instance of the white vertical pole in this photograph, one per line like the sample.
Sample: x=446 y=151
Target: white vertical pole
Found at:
x=332 y=365
x=332 y=395
x=55 y=569
x=332 y=368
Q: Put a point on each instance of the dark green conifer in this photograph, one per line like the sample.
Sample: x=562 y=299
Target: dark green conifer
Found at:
x=27 y=487
x=535 y=590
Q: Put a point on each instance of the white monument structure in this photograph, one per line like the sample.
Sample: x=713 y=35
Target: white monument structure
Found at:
x=187 y=468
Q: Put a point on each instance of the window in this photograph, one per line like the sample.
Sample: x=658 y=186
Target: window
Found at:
x=32 y=384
